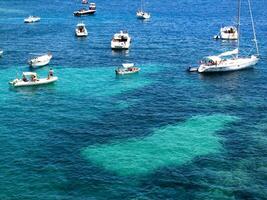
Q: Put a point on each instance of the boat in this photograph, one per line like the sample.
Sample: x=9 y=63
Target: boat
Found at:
x=32 y=19
x=127 y=68
x=1 y=52
x=231 y=60
x=91 y=10
x=40 y=60
x=141 y=14
x=92 y=6
x=31 y=79
x=84 y=2
x=80 y=30
x=121 y=41
x=227 y=33
x=192 y=69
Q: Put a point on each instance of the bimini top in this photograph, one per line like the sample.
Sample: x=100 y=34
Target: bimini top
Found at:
x=127 y=65
x=29 y=74
x=218 y=58
x=213 y=58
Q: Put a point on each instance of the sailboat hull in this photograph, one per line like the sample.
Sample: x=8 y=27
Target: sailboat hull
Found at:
x=142 y=15
x=230 y=65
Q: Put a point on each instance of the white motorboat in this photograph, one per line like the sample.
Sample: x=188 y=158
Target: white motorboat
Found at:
x=92 y=6
x=227 y=33
x=32 y=19
x=1 y=52
x=40 y=60
x=91 y=10
x=141 y=14
x=80 y=30
x=31 y=79
x=121 y=41
x=230 y=60
x=127 y=68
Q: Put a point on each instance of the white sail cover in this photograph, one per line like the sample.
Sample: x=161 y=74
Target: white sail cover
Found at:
x=229 y=53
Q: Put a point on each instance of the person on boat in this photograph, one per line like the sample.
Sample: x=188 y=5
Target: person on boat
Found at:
x=24 y=78
x=34 y=78
x=50 y=73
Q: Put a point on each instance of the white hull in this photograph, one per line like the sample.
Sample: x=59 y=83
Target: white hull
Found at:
x=120 y=41
x=32 y=19
x=230 y=65
x=40 y=61
x=142 y=15
x=227 y=33
x=1 y=52
x=229 y=36
x=81 y=34
x=90 y=11
x=41 y=81
x=125 y=72
x=120 y=45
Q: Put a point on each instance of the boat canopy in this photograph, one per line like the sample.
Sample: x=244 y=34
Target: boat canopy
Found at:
x=127 y=65
x=212 y=59
x=229 y=53
x=29 y=74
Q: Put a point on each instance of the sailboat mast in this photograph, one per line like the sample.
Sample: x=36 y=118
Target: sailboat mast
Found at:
x=253 y=28
x=238 y=24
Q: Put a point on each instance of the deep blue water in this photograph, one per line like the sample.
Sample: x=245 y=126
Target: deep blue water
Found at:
x=75 y=139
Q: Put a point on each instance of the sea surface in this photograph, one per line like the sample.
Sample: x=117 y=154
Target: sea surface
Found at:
x=160 y=134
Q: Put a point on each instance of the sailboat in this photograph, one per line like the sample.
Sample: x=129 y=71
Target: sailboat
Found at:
x=230 y=60
x=141 y=14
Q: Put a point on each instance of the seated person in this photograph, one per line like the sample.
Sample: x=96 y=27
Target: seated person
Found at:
x=24 y=79
x=34 y=78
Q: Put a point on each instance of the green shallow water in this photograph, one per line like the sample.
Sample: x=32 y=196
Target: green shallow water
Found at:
x=160 y=134
x=170 y=145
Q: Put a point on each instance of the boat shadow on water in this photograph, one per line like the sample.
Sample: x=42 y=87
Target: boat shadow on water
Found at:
x=81 y=38
x=44 y=68
x=127 y=76
x=145 y=21
x=33 y=89
x=230 y=76
x=116 y=52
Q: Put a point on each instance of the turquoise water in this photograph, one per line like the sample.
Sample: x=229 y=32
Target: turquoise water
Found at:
x=159 y=134
x=171 y=145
